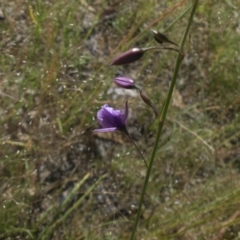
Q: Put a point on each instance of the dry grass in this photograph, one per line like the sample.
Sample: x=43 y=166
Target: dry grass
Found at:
x=60 y=181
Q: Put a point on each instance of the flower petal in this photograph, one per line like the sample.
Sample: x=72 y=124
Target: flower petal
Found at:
x=103 y=116
x=105 y=130
x=111 y=119
x=129 y=56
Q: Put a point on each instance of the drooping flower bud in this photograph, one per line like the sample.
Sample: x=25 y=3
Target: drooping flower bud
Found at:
x=125 y=82
x=129 y=56
x=148 y=101
x=161 y=38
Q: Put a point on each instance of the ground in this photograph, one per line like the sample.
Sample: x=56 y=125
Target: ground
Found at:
x=61 y=180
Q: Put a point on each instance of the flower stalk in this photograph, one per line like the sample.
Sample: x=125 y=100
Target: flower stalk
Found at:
x=143 y=158
x=163 y=116
x=115 y=120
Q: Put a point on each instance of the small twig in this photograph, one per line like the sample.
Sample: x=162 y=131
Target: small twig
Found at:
x=161 y=48
x=197 y=136
x=225 y=225
x=5 y=94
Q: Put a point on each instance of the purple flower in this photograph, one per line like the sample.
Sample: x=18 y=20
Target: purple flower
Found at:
x=129 y=56
x=125 y=82
x=111 y=119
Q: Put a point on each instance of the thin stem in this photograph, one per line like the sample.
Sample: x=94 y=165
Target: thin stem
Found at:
x=5 y=94
x=163 y=116
x=137 y=149
x=160 y=48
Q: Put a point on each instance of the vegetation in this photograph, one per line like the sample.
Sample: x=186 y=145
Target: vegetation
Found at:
x=59 y=179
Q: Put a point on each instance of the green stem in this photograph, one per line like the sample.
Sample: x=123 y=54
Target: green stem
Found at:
x=137 y=149
x=163 y=116
x=159 y=48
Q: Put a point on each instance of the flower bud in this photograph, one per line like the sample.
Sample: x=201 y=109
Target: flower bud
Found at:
x=129 y=56
x=148 y=101
x=125 y=82
x=161 y=38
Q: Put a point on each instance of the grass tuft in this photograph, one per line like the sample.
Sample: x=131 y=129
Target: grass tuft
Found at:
x=60 y=180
